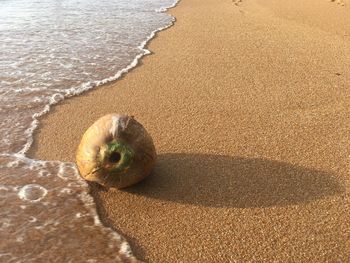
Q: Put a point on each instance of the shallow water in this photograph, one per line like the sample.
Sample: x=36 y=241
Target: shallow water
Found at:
x=50 y=50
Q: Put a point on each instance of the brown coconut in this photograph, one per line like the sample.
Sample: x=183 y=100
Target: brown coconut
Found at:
x=116 y=151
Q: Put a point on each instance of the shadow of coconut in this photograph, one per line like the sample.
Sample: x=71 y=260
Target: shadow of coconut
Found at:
x=224 y=181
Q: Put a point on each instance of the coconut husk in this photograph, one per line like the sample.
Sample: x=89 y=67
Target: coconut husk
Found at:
x=116 y=151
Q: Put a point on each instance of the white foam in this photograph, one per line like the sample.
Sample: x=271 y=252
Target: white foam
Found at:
x=66 y=191
x=12 y=164
x=20 y=239
x=125 y=249
x=32 y=192
x=78 y=215
x=4 y=223
x=32 y=219
x=44 y=173
x=68 y=171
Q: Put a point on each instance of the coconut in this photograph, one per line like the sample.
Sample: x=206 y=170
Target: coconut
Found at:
x=116 y=151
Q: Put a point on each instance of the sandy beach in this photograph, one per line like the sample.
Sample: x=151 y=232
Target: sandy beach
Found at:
x=248 y=106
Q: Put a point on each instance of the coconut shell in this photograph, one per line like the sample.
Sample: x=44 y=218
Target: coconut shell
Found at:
x=116 y=151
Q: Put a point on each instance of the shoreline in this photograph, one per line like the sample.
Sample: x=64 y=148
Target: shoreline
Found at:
x=252 y=153
x=87 y=86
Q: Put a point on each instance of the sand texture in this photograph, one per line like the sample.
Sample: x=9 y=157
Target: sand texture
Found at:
x=248 y=105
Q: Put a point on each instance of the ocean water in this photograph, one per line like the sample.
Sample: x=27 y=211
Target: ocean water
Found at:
x=50 y=50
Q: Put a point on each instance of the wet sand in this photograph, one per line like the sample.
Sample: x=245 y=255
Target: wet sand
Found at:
x=248 y=106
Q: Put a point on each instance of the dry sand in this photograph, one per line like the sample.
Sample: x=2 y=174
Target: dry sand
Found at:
x=248 y=106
